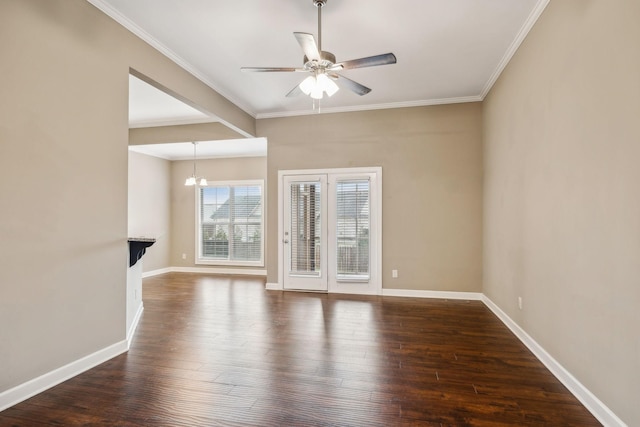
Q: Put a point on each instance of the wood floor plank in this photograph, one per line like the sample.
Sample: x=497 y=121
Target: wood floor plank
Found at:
x=222 y=351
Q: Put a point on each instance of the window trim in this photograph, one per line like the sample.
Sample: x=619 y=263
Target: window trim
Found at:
x=199 y=259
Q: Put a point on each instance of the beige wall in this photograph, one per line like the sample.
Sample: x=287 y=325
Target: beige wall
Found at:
x=63 y=186
x=431 y=159
x=149 y=207
x=63 y=178
x=562 y=206
x=183 y=208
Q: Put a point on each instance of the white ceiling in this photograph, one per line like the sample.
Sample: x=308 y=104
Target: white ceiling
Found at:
x=149 y=106
x=448 y=50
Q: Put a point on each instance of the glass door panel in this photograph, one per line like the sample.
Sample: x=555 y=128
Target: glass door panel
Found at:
x=304 y=237
x=352 y=229
x=306 y=226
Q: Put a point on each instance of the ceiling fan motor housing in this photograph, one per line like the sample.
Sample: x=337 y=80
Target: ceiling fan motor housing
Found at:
x=319 y=3
x=327 y=59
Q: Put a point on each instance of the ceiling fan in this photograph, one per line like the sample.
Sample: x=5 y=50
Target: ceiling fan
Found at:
x=323 y=67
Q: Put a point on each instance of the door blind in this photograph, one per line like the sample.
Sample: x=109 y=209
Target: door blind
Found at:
x=305 y=229
x=352 y=229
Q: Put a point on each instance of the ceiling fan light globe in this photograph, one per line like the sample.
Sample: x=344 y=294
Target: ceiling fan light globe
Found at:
x=331 y=87
x=326 y=84
x=317 y=92
x=203 y=182
x=190 y=181
x=308 y=85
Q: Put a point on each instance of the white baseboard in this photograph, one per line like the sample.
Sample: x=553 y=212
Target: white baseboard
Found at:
x=134 y=324
x=273 y=286
x=156 y=272
x=221 y=270
x=474 y=296
x=208 y=270
x=591 y=402
x=37 y=385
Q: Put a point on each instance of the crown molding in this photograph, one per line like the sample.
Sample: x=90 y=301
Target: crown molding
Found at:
x=148 y=38
x=515 y=45
x=348 y=109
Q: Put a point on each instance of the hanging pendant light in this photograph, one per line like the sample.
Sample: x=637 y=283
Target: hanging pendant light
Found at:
x=194 y=179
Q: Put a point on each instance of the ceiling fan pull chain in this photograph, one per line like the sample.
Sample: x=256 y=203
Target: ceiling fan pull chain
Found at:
x=319 y=6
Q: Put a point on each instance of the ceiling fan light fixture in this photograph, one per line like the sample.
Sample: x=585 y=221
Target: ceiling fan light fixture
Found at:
x=190 y=181
x=317 y=92
x=327 y=85
x=316 y=86
x=308 y=84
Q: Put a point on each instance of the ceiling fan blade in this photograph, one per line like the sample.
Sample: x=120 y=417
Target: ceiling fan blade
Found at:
x=271 y=69
x=370 y=61
x=309 y=46
x=295 y=91
x=355 y=87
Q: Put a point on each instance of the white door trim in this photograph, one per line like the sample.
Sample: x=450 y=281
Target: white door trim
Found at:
x=377 y=170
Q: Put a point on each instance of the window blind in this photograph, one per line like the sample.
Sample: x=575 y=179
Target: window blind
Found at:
x=230 y=223
x=306 y=225
x=352 y=229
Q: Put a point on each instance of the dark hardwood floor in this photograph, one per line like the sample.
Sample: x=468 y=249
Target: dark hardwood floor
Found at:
x=215 y=351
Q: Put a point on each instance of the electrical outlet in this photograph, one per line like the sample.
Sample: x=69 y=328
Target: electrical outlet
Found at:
x=394 y=274
x=184 y=256
x=520 y=303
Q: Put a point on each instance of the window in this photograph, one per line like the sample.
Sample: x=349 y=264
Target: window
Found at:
x=229 y=224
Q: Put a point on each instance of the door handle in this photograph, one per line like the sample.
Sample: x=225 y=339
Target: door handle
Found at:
x=285 y=241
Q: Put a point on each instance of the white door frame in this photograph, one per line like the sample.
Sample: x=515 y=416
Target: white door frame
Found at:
x=376 y=208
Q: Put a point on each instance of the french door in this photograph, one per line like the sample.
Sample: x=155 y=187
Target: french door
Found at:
x=305 y=239
x=330 y=230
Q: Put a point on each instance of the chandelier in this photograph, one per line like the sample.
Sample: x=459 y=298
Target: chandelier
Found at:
x=194 y=179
